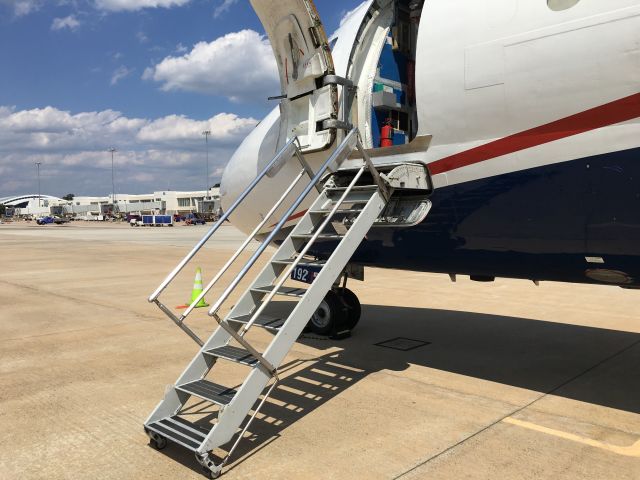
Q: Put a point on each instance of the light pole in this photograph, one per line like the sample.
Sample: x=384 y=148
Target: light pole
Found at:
x=39 y=196
x=206 y=134
x=113 y=182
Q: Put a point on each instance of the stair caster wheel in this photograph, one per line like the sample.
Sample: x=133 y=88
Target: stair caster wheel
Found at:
x=330 y=316
x=210 y=468
x=212 y=473
x=157 y=442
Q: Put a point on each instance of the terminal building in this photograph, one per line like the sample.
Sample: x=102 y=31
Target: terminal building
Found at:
x=162 y=202
x=32 y=204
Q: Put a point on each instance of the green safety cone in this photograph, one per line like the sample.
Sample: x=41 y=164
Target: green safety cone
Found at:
x=197 y=290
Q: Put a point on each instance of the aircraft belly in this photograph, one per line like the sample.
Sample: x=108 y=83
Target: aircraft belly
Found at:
x=539 y=224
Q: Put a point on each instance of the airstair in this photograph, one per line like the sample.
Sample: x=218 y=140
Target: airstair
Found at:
x=342 y=213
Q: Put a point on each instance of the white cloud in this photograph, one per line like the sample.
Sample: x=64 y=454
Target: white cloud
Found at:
x=22 y=7
x=50 y=120
x=55 y=129
x=239 y=66
x=142 y=37
x=223 y=7
x=25 y=7
x=133 y=5
x=120 y=73
x=73 y=149
x=70 y=22
x=224 y=127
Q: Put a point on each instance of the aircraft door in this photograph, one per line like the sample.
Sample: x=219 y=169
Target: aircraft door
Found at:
x=302 y=52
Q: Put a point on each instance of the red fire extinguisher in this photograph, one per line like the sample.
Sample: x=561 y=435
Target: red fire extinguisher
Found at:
x=386 y=134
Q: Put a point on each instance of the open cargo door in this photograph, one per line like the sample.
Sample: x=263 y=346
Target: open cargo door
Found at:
x=302 y=51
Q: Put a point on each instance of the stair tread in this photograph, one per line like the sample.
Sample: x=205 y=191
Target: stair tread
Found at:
x=264 y=321
x=235 y=354
x=181 y=431
x=286 y=291
x=325 y=211
x=358 y=204
x=357 y=188
x=322 y=235
x=218 y=394
x=313 y=263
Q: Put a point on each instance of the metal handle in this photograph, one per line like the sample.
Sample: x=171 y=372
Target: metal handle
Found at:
x=284 y=276
x=224 y=217
x=178 y=322
x=243 y=246
x=350 y=139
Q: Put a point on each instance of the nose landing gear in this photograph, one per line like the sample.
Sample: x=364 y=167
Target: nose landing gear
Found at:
x=337 y=315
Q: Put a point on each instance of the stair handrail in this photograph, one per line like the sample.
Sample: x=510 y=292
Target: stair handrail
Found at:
x=285 y=275
x=244 y=245
x=174 y=273
x=351 y=137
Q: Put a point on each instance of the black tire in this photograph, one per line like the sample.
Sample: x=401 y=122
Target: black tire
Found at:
x=158 y=443
x=354 y=309
x=330 y=316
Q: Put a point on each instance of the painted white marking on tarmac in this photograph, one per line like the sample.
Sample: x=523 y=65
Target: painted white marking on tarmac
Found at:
x=630 y=451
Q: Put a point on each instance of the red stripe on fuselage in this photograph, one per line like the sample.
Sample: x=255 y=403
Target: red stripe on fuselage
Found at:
x=619 y=111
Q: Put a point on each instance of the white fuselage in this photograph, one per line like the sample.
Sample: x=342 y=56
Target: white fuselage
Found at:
x=502 y=86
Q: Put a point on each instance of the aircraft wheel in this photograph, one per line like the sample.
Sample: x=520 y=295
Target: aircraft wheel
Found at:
x=330 y=315
x=354 y=309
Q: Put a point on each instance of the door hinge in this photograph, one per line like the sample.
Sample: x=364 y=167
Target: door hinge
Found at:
x=315 y=37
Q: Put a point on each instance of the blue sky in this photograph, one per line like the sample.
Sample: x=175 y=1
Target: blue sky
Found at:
x=145 y=76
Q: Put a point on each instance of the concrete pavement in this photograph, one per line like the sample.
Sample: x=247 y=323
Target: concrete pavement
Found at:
x=514 y=381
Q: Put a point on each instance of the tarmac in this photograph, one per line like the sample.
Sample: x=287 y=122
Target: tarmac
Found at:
x=440 y=380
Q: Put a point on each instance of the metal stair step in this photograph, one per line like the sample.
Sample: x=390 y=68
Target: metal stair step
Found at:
x=289 y=261
x=356 y=211
x=234 y=354
x=322 y=236
x=285 y=291
x=327 y=211
x=180 y=431
x=357 y=188
x=264 y=321
x=218 y=394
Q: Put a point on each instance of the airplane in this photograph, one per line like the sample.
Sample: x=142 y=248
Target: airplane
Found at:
x=499 y=139
x=525 y=113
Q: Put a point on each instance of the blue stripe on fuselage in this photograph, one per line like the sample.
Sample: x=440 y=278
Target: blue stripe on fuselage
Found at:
x=538 y=224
